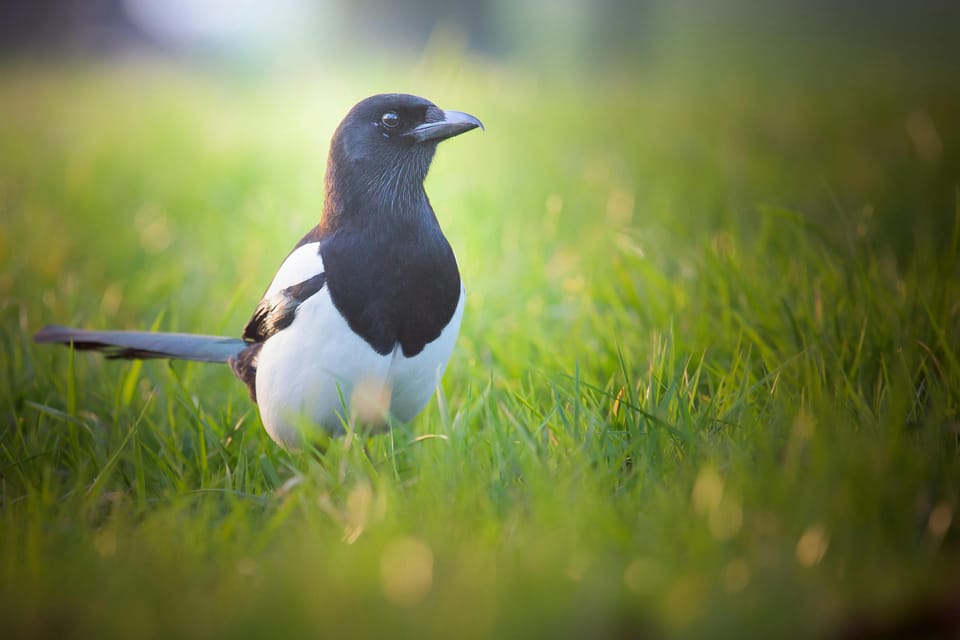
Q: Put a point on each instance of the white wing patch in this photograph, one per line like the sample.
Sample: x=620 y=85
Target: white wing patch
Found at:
x=304 y=263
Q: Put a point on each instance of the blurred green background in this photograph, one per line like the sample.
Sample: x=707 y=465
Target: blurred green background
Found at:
x=707 y=382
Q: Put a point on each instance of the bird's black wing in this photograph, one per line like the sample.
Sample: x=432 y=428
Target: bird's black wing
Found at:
x=277 y=311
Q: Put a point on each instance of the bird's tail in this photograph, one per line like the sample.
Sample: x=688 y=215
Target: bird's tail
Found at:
x=145 y=344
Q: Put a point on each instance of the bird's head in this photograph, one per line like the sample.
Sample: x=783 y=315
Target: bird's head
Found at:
x=381 y=152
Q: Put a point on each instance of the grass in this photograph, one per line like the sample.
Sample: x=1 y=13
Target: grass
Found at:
x=707 y=384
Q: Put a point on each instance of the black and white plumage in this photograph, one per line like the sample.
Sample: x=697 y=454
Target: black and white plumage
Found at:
x=368 y=303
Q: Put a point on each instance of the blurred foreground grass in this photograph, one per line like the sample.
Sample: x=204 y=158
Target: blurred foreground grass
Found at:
x=708 y=380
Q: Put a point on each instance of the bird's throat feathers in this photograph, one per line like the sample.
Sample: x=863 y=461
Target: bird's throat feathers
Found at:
x=363 y=185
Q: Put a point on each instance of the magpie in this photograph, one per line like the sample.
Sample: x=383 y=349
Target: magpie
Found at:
x=365 y=310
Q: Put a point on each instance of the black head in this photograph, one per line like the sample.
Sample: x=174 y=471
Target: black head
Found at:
x=381 y=152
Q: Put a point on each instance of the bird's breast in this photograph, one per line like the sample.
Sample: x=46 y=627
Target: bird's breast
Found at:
x=394 y=294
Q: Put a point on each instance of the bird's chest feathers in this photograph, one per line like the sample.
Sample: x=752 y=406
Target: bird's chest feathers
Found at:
x=397 y=289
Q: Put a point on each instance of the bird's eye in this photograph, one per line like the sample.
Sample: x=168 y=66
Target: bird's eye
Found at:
x=390 y=119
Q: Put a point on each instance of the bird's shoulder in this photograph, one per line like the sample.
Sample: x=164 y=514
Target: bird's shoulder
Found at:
x=301 y=275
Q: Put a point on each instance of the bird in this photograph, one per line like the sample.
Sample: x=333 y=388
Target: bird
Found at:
x=361 y=318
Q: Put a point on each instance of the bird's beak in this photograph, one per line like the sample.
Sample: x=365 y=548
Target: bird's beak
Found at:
x=453 y=124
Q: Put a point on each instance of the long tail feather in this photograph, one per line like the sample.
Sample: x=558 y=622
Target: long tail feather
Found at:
x=144 y=344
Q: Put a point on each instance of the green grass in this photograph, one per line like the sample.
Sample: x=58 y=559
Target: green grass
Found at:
x=708 y=382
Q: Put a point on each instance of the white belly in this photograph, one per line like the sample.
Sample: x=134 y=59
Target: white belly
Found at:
x=413 y=380
x=308 y=373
